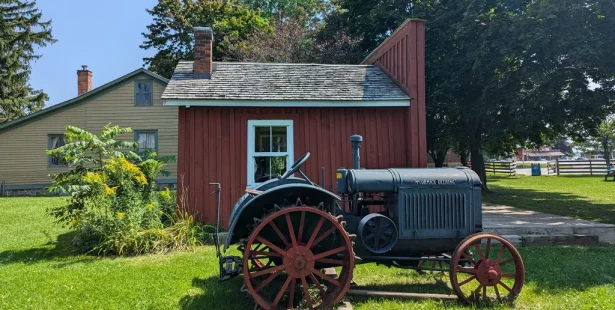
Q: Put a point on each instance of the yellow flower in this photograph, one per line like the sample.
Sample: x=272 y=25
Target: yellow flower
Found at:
x=166 y=194
x=109 y=191
x=73 y=223
x=149 y=206
x=120 y=215
x=93 y=178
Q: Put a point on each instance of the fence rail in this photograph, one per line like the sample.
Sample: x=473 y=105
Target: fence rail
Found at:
x=591 y=167
x=509 y=168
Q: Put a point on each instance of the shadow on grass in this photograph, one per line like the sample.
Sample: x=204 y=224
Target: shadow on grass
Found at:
x=217 y=295
x=560 y=203
x=54 y=251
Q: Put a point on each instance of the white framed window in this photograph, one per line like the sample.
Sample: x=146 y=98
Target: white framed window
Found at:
x=270 y=149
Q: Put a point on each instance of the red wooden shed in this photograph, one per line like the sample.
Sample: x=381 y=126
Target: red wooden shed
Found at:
x=243 y=123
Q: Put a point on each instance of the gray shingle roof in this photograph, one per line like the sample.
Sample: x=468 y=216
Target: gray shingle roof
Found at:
x=274 y=81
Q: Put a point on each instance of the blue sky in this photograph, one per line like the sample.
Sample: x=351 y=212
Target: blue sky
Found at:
x=105 y=35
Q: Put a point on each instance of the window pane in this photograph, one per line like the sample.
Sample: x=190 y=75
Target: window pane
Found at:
x=144 y=99
x=146 y=141
x=56 y=142
x=279 y=139
x=262 y=134
x=269 y=167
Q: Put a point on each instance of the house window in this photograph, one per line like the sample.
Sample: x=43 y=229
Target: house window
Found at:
x=53 y=142
x=144 y=93
x=270 y=149
x=147 y=140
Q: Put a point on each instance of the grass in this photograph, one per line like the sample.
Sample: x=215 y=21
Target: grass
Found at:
x=38 y=271
x=584 y=197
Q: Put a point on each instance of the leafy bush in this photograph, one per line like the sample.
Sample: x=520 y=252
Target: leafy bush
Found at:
x=112 y=204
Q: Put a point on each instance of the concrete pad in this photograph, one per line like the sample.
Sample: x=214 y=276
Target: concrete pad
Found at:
x=506 y=220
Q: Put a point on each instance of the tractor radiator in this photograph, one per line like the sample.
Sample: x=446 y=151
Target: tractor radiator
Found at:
x=429 y=214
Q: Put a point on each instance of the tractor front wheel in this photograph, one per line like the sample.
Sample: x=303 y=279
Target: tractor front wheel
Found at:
x=303 y=239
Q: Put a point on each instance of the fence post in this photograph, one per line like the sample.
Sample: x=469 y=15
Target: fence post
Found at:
x=557 y=166
x=591 y=168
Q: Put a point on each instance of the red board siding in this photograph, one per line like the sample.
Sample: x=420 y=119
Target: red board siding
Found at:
x=402 y=57
x=213 y=146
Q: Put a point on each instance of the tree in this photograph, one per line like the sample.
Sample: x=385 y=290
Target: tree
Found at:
x=516 y=71
x=600 y=141
x=21 y=31
x=282 y=9
x=171 y=32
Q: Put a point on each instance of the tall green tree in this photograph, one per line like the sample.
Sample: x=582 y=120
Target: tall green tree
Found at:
x=511 y=71
x=22 y=30
x=282 y=9
x=171 y=31
x=601 y=141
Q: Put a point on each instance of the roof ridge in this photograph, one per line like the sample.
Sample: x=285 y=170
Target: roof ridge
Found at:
x=283 y=64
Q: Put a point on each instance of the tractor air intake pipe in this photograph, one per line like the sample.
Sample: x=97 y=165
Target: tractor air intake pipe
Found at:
x=356 y=147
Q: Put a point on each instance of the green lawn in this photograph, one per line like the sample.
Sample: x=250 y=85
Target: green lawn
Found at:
x=585 y=197
x=38 y=271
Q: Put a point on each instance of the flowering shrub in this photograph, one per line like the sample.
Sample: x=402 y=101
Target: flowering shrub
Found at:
x=112 y=204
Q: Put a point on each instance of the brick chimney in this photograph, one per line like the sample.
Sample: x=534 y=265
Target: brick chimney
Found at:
x=203 y=43
x=84 y=80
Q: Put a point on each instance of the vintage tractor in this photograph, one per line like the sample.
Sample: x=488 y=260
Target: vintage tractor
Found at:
x=291 y=231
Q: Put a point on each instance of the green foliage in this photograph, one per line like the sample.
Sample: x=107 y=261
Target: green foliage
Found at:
x=21 y=32
x=505 y=72
x=171 y=32
x=601 y=141
x=113 y=205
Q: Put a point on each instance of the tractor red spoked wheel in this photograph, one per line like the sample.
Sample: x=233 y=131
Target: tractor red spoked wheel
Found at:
x=486 y=267
x=303 y=239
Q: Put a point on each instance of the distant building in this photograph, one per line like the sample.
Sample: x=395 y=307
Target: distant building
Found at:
x=544 y=152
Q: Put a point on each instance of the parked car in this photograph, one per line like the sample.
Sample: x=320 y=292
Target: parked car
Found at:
x=581 y=158
x=541 y=159
x=567 y=158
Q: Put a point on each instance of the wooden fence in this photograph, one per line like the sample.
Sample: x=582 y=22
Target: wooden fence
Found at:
x=591 y=167
x=509 y=168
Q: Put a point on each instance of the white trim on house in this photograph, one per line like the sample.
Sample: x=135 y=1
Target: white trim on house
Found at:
x=287 y=103
x=252 y=153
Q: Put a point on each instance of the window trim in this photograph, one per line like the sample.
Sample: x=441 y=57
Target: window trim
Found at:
x=252 y=136
x=151 y=82
x=154 y=131
x=49 y=162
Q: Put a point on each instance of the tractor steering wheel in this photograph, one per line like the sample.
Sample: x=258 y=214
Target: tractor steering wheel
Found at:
x=296 y=166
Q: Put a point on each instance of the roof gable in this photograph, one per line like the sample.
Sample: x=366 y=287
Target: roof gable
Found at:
x=75 y=100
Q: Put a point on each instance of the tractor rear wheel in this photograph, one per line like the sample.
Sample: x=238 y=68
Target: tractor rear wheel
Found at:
x=303 y=239
x=486 y=267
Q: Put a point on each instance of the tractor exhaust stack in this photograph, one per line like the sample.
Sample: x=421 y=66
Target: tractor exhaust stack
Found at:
x=356 y=148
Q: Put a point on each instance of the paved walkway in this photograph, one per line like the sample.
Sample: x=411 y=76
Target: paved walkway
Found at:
x=506 y=220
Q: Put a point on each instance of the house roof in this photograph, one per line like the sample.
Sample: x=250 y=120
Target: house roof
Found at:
x=80 y=98
x=281 y=81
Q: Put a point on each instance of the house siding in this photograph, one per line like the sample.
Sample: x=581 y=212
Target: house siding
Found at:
x=22 y=148
x=213 y=146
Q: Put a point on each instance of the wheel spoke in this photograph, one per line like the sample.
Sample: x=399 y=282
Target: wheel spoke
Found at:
x=271 y=245
x=332 y=261
x=291 y=230
x=478 y=250
x=372 y=236
x=281 y=293
x=497 y=260
x=484 y=292
x=326 y=277
x=263 y=253
x=330 y=252
x=315 y=233
x=488 y=249
x=301 y=225
x=505 y=286
x=320 y=288
x=267 y=281
x=466 y=270
x=480 y=286
x=467 y=280
x=470 y=259
x=291 y=298
x=266 y=271
x=306 y=292
x=277 y=231
x=497 y=292
x=510 y=260
x=323 y=236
